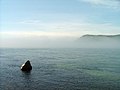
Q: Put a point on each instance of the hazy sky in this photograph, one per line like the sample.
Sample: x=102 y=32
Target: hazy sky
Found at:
x=57 y=18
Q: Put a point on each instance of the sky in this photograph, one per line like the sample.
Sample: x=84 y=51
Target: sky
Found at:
x=23 y=19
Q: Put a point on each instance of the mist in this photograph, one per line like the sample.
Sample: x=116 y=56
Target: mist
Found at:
x=38 y=42
x=58 y=42
x=99 y=41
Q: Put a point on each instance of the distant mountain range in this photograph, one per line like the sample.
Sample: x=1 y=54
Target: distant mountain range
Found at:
x=100 y=36
x=100 y=40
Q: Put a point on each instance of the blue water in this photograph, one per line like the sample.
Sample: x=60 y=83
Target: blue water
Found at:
x=60 y=69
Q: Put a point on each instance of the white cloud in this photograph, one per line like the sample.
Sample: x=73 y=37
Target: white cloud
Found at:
x=115 y=4
x=62 y=29
x=35 y=34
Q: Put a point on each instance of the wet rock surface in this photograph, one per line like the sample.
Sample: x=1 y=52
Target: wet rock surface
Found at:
x=26 y=66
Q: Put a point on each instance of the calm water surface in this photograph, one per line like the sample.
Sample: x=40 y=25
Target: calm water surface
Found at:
x=60 y=69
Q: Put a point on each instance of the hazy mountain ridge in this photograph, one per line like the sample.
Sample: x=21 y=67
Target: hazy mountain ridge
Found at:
x=100 y=40
x=100 y=36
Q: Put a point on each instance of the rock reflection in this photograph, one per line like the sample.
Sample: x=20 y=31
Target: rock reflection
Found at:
x=26 y=74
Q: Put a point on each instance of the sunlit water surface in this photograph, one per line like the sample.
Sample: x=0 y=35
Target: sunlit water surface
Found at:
x=60 y=69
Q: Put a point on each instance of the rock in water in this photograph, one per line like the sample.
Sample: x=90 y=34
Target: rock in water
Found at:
x=26 y=66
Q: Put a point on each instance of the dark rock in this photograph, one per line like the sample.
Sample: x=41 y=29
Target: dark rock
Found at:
x=26 y=66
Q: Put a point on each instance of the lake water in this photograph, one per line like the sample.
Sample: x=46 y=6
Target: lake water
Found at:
x=60 y=69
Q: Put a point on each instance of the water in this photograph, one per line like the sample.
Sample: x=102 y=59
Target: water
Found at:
x=60 y=69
